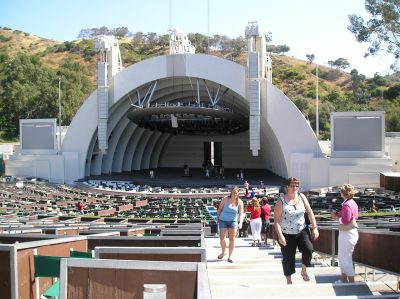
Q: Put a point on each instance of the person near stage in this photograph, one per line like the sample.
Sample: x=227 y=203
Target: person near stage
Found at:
x=348 y=233
x=265 y=214
x=255 y=221
x=244 y=231
x=246 y=185
x=292 y=231
x=186 y=170
x=262 y=186
x=229 y=218
x=222 y=172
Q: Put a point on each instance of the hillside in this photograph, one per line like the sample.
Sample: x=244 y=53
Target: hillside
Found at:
x=51 y=55
x=76 y=63
x=13 y=41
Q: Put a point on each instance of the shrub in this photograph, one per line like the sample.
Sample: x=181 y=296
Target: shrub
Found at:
x=4 y=38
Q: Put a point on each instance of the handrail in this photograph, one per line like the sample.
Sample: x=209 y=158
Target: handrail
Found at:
x=375 y=249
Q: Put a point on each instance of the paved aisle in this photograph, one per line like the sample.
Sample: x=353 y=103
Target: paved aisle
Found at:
x=257 y=273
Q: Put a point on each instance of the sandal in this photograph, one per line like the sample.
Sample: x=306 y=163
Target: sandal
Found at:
x=221 y=256
x=230 y=261
x=305 y=276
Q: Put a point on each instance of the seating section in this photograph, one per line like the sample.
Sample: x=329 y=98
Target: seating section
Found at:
x=123 y=241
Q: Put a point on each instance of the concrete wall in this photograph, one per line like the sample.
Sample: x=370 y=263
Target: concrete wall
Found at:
x=392 y=149
x=49 y=167
x=188 y=150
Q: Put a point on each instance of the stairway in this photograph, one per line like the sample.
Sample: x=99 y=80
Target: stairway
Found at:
x=257 y=273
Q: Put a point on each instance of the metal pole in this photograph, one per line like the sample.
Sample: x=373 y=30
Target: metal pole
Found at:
x=333 y=246
x=208 y=26
x=316 y=108
x=59 y=116
x=170 y=14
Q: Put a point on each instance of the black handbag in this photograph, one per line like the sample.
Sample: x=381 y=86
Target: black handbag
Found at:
x=306 y=218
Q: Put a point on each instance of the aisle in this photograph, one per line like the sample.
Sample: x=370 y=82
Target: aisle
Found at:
x=257 y=273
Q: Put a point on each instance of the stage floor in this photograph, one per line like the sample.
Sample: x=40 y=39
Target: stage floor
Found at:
x=173 y=177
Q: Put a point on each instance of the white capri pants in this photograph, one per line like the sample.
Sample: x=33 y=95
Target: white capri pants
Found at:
x=347 y=241
x=255 y=225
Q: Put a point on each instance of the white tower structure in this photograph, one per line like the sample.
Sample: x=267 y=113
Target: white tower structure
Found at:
x=110 y=63
x=268 y=65
x=256 y=72
x=179 y=43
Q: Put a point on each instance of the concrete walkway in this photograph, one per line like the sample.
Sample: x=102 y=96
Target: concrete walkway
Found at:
x=257 y=273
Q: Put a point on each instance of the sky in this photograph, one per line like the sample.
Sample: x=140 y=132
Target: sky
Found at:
x=316 y=27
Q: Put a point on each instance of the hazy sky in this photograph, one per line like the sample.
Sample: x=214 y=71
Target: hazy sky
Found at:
x=316 y=27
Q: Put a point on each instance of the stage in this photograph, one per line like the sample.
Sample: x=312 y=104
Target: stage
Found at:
x=174 y=177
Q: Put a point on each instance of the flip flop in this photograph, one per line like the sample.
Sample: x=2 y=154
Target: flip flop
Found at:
x=230 y=261
x=221 y=256
x=305 y=276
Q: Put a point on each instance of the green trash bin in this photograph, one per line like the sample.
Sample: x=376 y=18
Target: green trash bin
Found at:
x=1 y=164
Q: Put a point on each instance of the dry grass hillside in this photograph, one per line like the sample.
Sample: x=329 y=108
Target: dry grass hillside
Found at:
x=293 y=76
x=14 y=41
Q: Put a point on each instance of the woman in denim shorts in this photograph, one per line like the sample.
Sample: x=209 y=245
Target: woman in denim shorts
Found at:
x=227 y=217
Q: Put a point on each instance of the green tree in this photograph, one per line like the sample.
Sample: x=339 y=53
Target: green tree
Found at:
x=302 y=104
x=382 y=30
x=138 y=39
x=152 y=38
x=341 y=63
x=310 y=58
x=278 y=49
x=392 y=92
x=163 y=40
x=392 y=119
x=120 y=32
x=75 y=88
x=200 y=41
x=26 y=92
x=359 y=88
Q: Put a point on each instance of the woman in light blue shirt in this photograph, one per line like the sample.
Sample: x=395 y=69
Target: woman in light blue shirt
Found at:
x=230 y=208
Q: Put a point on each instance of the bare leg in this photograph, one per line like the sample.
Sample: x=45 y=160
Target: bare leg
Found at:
x=222 y=242
x=350 y=278
x=232 y=234
x=304 y=273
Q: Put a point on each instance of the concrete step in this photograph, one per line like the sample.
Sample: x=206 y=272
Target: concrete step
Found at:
x=334 y=271
x=257 y=273
x=270 y=279
x=323 y=290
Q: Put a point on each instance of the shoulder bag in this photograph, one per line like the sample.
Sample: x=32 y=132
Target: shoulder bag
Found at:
x=346 y=227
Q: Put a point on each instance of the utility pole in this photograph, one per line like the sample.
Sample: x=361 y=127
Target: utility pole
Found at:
x=59 y=116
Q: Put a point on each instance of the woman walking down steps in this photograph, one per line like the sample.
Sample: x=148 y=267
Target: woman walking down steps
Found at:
x=292 y=230
x=227 y=218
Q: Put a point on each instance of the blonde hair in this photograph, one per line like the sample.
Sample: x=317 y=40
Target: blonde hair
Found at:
x=348 y=190
x=237 y=195
x=255 y=204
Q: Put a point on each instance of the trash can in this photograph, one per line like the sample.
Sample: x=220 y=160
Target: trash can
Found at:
x=154 y=291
